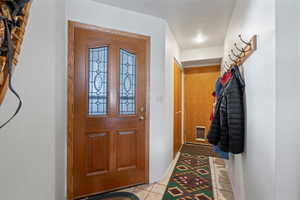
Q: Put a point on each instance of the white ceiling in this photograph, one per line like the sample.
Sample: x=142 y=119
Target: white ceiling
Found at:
x=187 y=18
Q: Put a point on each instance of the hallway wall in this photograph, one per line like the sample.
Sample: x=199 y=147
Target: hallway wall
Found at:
x=202 y=53
x=253 y=172
x=60 y=100
x=33 y=146
x=287 y=99
x=27 y=144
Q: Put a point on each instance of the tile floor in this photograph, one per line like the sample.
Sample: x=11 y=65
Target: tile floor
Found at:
x=221 y=183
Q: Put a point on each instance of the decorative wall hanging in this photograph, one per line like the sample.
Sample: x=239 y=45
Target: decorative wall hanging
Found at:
x=13 y=21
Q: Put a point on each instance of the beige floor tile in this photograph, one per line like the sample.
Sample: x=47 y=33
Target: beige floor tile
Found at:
x=146 y=187
x=223 y=179
x=221 y=182
x=154 y=196
x=159 y=188
x=212 y=167
x=141 y=194
x=224 y=186
x=223 y=173
x=220 y=167
x=165 y=180
x=219 y=161
x=225 y=195
x=131 y=189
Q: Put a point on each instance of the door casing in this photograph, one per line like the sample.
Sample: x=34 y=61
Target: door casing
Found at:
x=178 y=107
x=70 y=97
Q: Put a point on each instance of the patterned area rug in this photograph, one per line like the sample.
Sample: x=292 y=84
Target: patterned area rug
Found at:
x=199 y=149
x=191 y=178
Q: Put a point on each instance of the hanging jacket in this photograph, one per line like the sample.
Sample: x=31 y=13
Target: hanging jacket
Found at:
x=218 y=89
x=228 y=125
x=225 y=78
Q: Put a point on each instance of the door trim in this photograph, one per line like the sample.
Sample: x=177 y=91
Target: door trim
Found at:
x=176 y=62
x=72 y=25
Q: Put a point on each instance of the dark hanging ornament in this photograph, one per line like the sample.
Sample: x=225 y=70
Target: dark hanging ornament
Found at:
x=13 y=20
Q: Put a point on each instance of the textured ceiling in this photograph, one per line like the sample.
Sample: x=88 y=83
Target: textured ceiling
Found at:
x=187 y=18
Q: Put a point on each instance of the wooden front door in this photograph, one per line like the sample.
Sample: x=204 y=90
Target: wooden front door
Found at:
x=199 y=84
x=110 y=90
x=177 y=107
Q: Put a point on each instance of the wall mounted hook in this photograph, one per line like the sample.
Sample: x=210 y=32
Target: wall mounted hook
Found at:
x=235 y=62
x=247 y=43
x=233 y=53
x=242 y=50
x=226 y=66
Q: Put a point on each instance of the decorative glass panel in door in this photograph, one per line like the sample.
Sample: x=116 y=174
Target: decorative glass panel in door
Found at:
x=97 y=95
x=127 y=83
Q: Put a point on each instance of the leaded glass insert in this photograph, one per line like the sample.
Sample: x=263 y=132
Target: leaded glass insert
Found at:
x=97 y=96
x=127 y=82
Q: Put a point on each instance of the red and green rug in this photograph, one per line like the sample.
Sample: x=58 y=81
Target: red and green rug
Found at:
x=191 y=178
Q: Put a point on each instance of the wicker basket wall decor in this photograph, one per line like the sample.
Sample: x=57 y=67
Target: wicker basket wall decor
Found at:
x=17 y=35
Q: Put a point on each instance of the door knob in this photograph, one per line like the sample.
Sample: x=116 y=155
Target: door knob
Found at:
x=142 y=118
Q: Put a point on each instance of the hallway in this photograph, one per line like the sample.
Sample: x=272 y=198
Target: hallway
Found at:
x=195 y=174
x=143 y=96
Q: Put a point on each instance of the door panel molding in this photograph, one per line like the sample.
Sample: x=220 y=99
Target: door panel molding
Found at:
x=71 y=102
x=95 y=165
x=126 y=142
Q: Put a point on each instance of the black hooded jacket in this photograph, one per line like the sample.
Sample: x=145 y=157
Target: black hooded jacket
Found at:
x=228 y=124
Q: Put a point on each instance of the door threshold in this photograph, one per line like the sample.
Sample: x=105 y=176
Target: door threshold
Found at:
x=93 y=195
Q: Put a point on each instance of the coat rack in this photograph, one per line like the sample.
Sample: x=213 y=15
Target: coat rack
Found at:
x=239 y=55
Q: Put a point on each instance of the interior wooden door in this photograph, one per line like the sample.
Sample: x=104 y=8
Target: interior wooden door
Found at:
x=199 y=84
x=109 y=117
x=177 y=107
